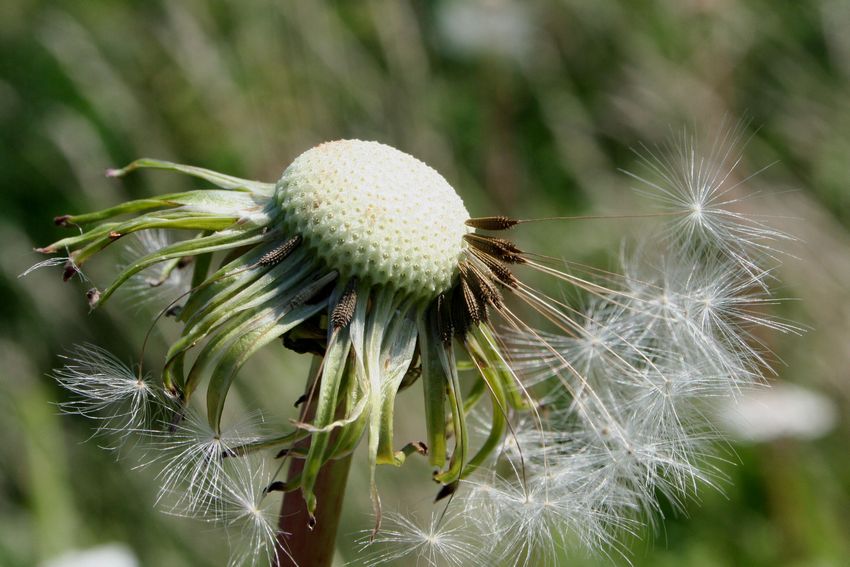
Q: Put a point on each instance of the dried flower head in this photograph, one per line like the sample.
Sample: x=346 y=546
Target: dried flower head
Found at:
x=367 y=257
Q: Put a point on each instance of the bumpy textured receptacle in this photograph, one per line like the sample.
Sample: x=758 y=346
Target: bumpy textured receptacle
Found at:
x=375 y=213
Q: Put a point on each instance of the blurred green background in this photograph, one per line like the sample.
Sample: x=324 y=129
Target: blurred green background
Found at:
x=528 y=108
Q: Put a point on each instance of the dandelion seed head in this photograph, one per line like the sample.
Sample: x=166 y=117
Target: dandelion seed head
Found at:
x=375 y=213
x=366 y=256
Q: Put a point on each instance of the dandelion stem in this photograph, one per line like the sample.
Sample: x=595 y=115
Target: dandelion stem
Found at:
x=307 y=544
x=316 y=546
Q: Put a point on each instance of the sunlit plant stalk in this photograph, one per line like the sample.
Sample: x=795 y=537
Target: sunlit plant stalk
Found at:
x=310 y=542
x=307 y=543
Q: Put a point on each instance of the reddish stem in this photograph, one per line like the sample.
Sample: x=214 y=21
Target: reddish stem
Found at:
x=302 y=544
x=313 y=547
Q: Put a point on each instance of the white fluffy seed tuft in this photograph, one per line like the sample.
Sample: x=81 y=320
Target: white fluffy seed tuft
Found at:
x=108 y=391
x=375 y=213
x=446 y=539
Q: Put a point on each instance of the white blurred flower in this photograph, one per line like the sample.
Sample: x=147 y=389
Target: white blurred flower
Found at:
x=503 y=28
x=781 y=411
x=107 y=555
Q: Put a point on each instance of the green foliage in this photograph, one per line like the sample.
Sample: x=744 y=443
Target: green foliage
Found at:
x=534 y=120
